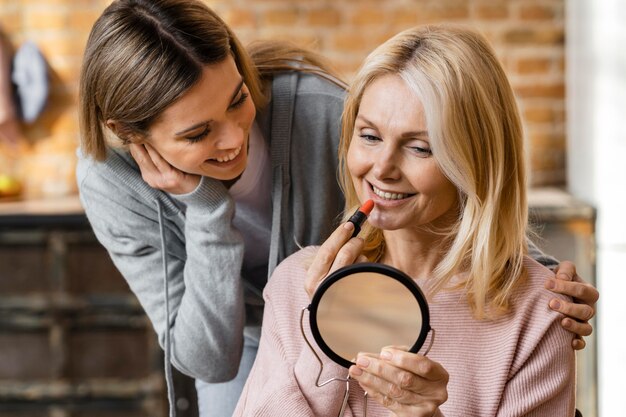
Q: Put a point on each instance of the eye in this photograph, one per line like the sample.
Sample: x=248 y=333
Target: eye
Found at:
x=198 y=137
x=240 y=101
x=369 y=138
x=421 y=151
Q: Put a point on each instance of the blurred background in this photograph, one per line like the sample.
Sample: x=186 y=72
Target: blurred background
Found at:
x=73 y=340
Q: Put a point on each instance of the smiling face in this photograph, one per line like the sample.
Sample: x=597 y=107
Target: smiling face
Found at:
x=391 y=162
x=206 y=131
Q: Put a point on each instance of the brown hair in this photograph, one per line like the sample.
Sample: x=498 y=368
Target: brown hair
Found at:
x=142 y=55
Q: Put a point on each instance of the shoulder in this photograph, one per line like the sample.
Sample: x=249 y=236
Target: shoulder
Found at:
x=118 y=167
x=531 y=299
x=316 y=85
x=112 y=186
x=307 y=86
x=290 y=274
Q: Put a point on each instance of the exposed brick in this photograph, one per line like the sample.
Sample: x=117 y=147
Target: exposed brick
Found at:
x=368 y=16
x=403 y=17
x=48 y=19
x=280 y=17
x=552 y=90
x=539 y=36
x=539 y=115
x=491 y=10
x=544 y=140
x=537 y=12
x=352 y=42
x=81 y=20
x=323 y=17
x=238 y=17
x=533 y=65
x=443 y=10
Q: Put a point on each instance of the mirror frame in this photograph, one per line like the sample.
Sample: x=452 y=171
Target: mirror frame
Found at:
x=390 y=272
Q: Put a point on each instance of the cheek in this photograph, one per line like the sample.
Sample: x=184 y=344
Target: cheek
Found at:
x=247 y=114
x=357 y=161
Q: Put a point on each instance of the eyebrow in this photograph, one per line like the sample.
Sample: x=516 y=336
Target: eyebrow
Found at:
x=417 y=133
x=208 y=122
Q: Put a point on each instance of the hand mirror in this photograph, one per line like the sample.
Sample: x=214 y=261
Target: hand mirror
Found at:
x=365 y=307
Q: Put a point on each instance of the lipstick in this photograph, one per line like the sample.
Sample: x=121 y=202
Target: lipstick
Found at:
x=359 y=216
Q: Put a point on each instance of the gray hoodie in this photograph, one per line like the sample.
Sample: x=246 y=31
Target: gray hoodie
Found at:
x=182 y=257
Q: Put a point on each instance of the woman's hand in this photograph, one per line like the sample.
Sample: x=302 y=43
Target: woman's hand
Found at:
x=339 y=250
x=158 y=173
x=406 y=383
x=582 y=309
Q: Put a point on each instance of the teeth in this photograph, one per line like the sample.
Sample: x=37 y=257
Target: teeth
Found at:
x=230 y=156
x=389 y=196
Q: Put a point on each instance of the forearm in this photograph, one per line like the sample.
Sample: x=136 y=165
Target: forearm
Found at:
x=204 y=286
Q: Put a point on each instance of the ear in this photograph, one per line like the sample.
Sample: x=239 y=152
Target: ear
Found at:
x=113 y=126
x=123 y=132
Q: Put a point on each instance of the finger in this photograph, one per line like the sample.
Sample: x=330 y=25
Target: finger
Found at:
x=399 y=375
x=579 y=312
x=382 y=390
x=415 y=363
x=348 y=254
x=577 y=290
x=578 y=343
x=566 y=270
x=361 y=259
x=576 y=327
x=141 y=156
x=159 y=162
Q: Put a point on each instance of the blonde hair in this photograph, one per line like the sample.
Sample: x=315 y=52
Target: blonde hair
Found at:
x=142 y=55
x=476 y=138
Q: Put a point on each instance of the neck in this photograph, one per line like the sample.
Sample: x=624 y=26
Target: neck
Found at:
x=415 y=254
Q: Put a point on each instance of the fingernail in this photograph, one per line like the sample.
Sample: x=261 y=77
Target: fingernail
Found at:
x=348 y=225
x=551 y=284
x=385 y=354
x=555 y=304
x=363 y=361
x=356 y=371
x=567 y=323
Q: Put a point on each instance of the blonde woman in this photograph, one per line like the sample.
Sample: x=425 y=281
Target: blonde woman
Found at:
x=432 y=134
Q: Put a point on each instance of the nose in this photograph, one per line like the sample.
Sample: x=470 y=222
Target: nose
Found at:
x=230 y=135
x=386 y=164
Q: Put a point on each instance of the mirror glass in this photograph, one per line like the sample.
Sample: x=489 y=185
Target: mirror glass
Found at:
x=365 y=307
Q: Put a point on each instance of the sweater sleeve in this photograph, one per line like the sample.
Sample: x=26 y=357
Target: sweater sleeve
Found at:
x=271 y=389
x=203 y=267
x=282 y=380
x=543 y=385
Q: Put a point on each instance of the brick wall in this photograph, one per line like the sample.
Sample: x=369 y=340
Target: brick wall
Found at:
x=527 y=34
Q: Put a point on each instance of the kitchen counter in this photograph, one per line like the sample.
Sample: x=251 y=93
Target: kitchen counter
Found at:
x=49 y=212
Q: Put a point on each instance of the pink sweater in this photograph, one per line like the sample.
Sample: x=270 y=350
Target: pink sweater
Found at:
x=519 y=365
